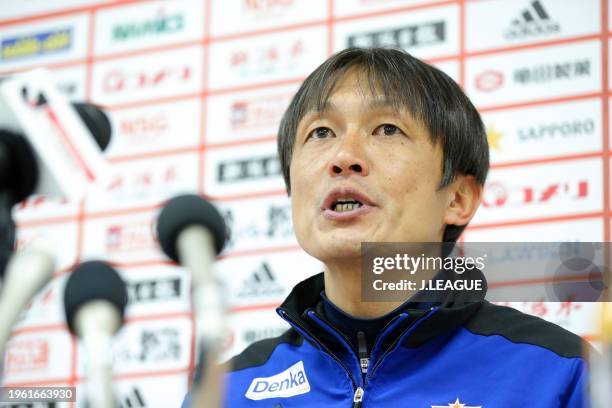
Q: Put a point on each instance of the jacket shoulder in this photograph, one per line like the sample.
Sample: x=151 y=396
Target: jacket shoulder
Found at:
x=522 y=328
x=259 y=352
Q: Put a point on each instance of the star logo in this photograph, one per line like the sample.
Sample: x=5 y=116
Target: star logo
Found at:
x=455 y=404
x=494 y=138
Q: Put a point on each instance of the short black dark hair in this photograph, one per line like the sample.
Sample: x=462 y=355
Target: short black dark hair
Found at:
x=430 y=95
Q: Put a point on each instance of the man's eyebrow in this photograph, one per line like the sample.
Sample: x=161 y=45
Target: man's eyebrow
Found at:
x=377 y=103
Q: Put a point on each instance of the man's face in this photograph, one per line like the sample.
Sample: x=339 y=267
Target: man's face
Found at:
x=363 y=172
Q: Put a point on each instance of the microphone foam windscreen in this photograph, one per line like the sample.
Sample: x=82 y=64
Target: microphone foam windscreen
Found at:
x=96 y=121
x=93 y=280
x=18 y=166
x=186 y=210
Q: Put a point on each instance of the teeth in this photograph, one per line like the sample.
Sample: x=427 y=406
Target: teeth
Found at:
x=343 y=207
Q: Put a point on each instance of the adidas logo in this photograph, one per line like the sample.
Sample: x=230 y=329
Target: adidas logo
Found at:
x=289 y=383
x=534 y=20
x=261 y=283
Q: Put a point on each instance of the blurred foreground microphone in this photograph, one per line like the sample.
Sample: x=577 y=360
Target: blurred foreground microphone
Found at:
x=27 y=272
x=47 y=146
x=191 y=232
x=601 y=365
x=94 y=302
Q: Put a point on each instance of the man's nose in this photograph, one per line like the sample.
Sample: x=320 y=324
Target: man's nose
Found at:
x=349 y=158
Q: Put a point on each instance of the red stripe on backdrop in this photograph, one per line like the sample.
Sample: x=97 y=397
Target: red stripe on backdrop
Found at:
x=538 y=281
x=571 y=217
x=462 y=43
x=605 y=80
x=204 y=97
x=251 y=308
x=568 y=157
x=330 y=27
x=74 y=355
x=89 y=58
x=148 y=50
x=539 y=102
x=395 y=10
x=151 y=155
x=241 y=142
x=263 y=31
x=264 y=85
x=534 y=45
x=67 y=12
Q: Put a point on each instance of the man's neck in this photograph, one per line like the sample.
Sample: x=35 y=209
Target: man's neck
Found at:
x=343 y=289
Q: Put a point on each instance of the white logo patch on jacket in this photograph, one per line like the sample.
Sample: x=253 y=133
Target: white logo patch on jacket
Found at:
x=289 y=383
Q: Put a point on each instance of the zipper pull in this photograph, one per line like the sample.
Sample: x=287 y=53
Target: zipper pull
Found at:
x=358 y=397
x=364 y=358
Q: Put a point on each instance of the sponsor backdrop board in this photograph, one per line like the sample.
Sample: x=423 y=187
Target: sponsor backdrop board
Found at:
x=195 y=90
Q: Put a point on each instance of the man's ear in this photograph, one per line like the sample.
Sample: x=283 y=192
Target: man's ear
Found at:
x=465 y=195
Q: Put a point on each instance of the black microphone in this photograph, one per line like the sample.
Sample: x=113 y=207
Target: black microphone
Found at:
x=96 y=121
x=95 y=298
x=19 y=171
x=191 y=231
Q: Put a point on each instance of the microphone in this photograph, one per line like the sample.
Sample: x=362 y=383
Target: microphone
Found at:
x=27 y=272
x=69 y=160
x=95 y=297
x=192 y=232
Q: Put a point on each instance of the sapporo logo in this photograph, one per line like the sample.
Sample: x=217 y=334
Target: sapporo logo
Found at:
x=289 y=383
x=409 y=36
x=532 y=21
x=160 y=24
x=557 y=130
x=48 y=42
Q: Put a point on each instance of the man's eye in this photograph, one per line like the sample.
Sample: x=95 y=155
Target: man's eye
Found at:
x=321 y=133
x=387 y=130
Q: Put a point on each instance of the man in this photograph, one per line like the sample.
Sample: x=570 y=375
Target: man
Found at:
x=377 y=146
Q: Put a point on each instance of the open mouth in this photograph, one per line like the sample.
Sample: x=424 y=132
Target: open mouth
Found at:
x=344 y=205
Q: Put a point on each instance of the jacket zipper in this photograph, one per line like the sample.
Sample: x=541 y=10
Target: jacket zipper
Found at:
x=364 y=358
x=358 y=391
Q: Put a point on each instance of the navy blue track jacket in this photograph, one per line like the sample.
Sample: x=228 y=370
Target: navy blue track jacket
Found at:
x=458 y=355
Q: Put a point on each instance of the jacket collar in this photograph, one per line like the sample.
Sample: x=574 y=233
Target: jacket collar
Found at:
x=454 y=308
